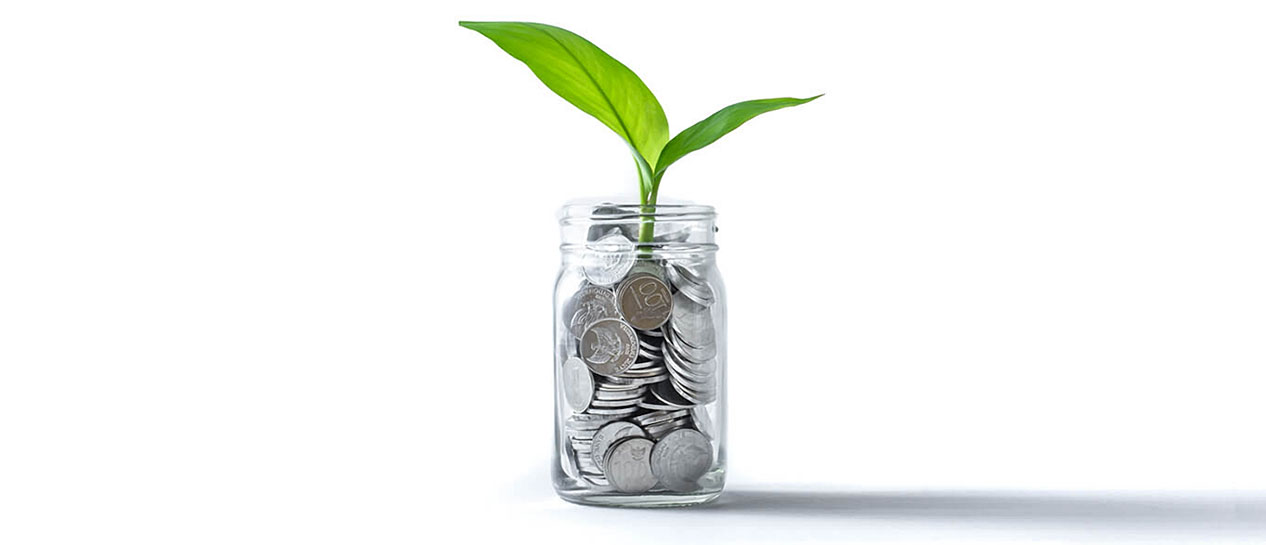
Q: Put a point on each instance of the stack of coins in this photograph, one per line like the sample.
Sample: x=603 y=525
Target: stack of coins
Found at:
x=639 y=367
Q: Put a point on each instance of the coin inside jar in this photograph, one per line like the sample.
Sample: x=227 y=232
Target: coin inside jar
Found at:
x=609 y=346
x=644 y=301
x=608 y=259
x=608 y=435
x=628 y=465
x=590 y=304
x=577 y=384
x=680 y=459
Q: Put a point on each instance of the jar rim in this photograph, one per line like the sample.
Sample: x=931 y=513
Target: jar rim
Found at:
x=589 y=211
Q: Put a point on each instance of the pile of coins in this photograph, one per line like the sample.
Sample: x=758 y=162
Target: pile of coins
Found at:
x=639 y=371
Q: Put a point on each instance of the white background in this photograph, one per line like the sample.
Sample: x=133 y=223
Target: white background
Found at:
x=280 y=272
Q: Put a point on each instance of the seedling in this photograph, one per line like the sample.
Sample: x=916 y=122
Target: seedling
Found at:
x=604 y=88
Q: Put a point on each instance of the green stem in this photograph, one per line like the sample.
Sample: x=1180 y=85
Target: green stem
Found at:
x=646 y=233
x=648 y=191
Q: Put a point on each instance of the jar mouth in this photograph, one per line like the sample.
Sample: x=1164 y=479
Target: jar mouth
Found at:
x=613 y=212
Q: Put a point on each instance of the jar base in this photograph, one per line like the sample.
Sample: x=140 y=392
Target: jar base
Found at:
x=584 y=493
x=601 y=499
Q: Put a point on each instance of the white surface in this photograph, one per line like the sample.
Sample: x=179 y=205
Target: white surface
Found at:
x=280 y=271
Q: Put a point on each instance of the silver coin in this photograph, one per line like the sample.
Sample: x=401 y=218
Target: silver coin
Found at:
x=577 y=384
x=577 y=427
x=614 y=387
x=608 y=435
x=655 y=405
x=660 y=430
x=650 y=356
x=574 y=434
x=617 y=411
x=694 y=384
x=628 y=465
x=608 y=259
x=590 y=304
x=577 y=435
x=699 y=376
x=613 y=403
x=703 y=422
x=691 y=284
x=657 y=417
x=695 y=393
x=596 y=480
x=645 y=364
x=644 y=301
x=666 y=395
x=680 y=459
x=635 y=382
x=568 y=461
x=704 y=350
x=694 y=396
x=616 y=395
x=609 y=346
x=611 y=219
x=586 y=420
x=691 y=322
x=699 y=372
x=649 y=349
x=655 y=335
x=648 y=266
x=567 y=346
x=648 y=372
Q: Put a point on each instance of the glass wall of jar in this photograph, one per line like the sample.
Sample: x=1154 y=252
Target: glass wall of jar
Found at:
x=639 y=364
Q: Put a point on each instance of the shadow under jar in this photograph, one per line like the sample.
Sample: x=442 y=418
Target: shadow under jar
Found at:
x=639 y=363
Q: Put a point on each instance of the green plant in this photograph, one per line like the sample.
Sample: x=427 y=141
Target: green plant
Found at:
x=601 y=86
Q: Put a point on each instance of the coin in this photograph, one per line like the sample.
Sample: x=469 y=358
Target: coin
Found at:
x=617 y=395
x=691 y=323
x=597 y=480
x=669 y=397
x=660 y=430
x=609 y=346
x=648 y=372
x=616 y=411
x=577 y=384
x=608 y=435
x=590 y=304
x=608 y=259
x=703 y=423
x=636 y=382
x=568 y=461
x=645 y=301
x=650 y=349
x=691 y=284
x=680 y=459
x=657 y=417
x=610 y=218
x=652 y=267
x=613 y=403
x=628 y=467
x=701 y=349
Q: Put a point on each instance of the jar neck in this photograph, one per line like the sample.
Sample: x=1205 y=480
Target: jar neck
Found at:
x=656 y=229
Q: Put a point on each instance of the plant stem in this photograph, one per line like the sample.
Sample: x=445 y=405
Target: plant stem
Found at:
x=646 y=232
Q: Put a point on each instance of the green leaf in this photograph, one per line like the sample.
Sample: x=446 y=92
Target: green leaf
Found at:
x=705 y=132
x=588 y=78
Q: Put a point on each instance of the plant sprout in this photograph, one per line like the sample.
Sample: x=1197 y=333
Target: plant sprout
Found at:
x=604 y=88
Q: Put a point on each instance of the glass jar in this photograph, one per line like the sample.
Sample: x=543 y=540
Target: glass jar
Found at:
x=639 y=365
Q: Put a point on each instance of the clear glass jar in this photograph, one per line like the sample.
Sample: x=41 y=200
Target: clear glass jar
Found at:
x=639 y=364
